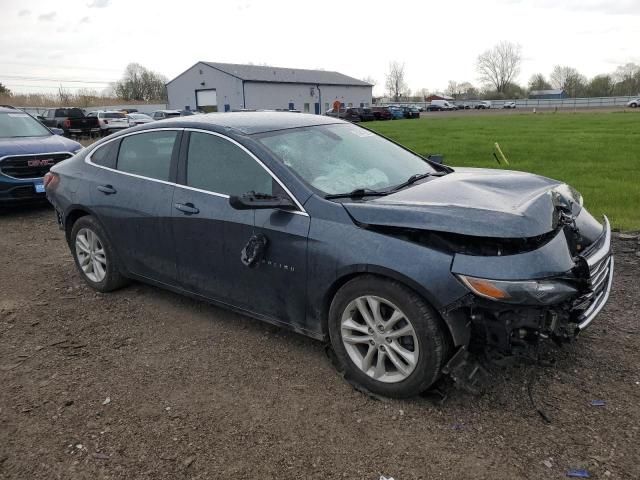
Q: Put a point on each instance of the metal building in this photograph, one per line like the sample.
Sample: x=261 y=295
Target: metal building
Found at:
x=223 y=87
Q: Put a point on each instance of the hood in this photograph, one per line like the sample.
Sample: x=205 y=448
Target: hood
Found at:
x=476 y=202
x=36 y=145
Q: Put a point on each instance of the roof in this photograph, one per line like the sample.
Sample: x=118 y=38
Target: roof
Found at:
x=248 y=122
x=557 y=91
x=259 y=73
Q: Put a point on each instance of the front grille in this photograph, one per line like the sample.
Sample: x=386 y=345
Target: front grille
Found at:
x=25 y=191
x=30 y=166
x=600 y=262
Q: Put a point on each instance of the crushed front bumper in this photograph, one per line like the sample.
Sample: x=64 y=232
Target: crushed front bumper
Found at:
x=599 y=261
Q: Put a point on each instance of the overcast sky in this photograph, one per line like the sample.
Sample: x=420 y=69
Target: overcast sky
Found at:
x=43 y=42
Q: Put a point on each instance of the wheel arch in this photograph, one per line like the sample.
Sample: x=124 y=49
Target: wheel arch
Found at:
x=345 y=275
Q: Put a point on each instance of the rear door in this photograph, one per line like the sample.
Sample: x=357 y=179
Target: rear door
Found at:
x=132 y=193
x=210 y=235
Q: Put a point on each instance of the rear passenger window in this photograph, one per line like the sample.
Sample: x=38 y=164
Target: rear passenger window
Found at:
x=217 y=165
x=106 y=155
x=148 y=154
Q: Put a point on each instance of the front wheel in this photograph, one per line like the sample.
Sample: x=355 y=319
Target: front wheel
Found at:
x=386 y=338
x=94 y=256
x=633 y=105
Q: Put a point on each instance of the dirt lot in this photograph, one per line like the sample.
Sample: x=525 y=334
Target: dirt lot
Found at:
x=145 y=384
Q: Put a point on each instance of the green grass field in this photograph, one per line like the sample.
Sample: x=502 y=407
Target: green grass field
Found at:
x=597 y=153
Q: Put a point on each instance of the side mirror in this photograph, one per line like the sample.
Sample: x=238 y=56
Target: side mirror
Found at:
x=436 y=158
x=40 y=117
x=260 y=201
x=57 y=131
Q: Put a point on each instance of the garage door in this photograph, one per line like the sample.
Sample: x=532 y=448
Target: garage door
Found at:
x=207 y=100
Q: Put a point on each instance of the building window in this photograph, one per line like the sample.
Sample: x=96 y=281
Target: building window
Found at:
x=306 y=108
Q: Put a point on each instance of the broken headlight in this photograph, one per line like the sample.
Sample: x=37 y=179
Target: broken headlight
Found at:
x=527 y=292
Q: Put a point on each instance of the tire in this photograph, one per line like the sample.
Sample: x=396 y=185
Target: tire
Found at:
x=101 y=270
x=633 y=105
x=369 y=340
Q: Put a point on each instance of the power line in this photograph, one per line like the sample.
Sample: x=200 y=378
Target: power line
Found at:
x=42 y=86
x=46 y=79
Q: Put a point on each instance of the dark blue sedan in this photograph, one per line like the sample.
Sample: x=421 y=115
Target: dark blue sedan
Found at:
x=28 y=150
x=406 y=266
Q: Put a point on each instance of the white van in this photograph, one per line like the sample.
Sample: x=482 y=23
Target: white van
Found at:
x=437 y=105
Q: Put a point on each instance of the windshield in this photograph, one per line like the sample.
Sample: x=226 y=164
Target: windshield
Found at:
x=113 y=115
x=342 y=158
x=20 y=124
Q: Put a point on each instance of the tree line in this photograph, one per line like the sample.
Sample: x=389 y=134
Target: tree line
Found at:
x=137 y=84
x=498 y=69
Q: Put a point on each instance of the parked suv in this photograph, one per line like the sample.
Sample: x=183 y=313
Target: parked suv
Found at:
x=72 y=121
x=382 y=113
x=351 y=114
x=483 y=105
x=402 y=264
x=111 y=121
x=27 y=151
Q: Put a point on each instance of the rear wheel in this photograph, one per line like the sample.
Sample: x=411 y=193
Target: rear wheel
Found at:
x=633 y=105
x=94 y=256
x=386 y=338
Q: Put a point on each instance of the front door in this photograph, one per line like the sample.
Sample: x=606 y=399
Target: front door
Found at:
x=132 y=193
x=210 y=236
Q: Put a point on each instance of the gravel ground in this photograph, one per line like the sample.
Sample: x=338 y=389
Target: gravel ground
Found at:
x=145 y=384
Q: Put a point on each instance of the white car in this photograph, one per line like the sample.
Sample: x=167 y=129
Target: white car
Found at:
x=110 y=121
x=483 y=105
x=509 y=105
x=138 y=119
x=161 y=114
x=634 y=103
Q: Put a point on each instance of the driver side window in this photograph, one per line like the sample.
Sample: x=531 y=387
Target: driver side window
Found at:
x=219 y=166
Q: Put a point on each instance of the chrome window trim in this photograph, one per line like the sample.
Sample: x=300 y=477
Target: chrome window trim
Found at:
x=31 y=155
x=88 y=161
x=267 y=169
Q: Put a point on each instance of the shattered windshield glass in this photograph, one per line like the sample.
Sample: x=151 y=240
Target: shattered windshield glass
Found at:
x=341 y=158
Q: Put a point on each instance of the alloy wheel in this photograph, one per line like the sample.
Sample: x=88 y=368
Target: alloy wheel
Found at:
x=379 y=339
x=91 y=255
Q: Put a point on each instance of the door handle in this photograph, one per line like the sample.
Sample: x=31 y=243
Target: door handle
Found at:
x=107 y=189
x=186 y=208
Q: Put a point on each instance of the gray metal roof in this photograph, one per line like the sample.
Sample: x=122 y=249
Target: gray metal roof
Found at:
x=258 y=73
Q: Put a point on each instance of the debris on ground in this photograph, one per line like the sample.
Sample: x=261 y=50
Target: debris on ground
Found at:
x=578 y=473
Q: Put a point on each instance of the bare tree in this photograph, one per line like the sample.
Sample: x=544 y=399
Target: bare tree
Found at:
x=539 y=82
x=627 y=79
x=455 y=89
x=370 y=79
x=139 y=83
x=468 y=90
x=423 y=93
x=569 y=80
x=64 y=96
x=395 y=81
x=499 y=65
x=4 y=90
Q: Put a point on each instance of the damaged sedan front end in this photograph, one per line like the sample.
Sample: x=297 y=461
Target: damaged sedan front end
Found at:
x=549 y=283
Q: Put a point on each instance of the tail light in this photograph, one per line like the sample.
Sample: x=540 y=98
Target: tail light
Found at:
x=66 y=123
x=51 y=180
